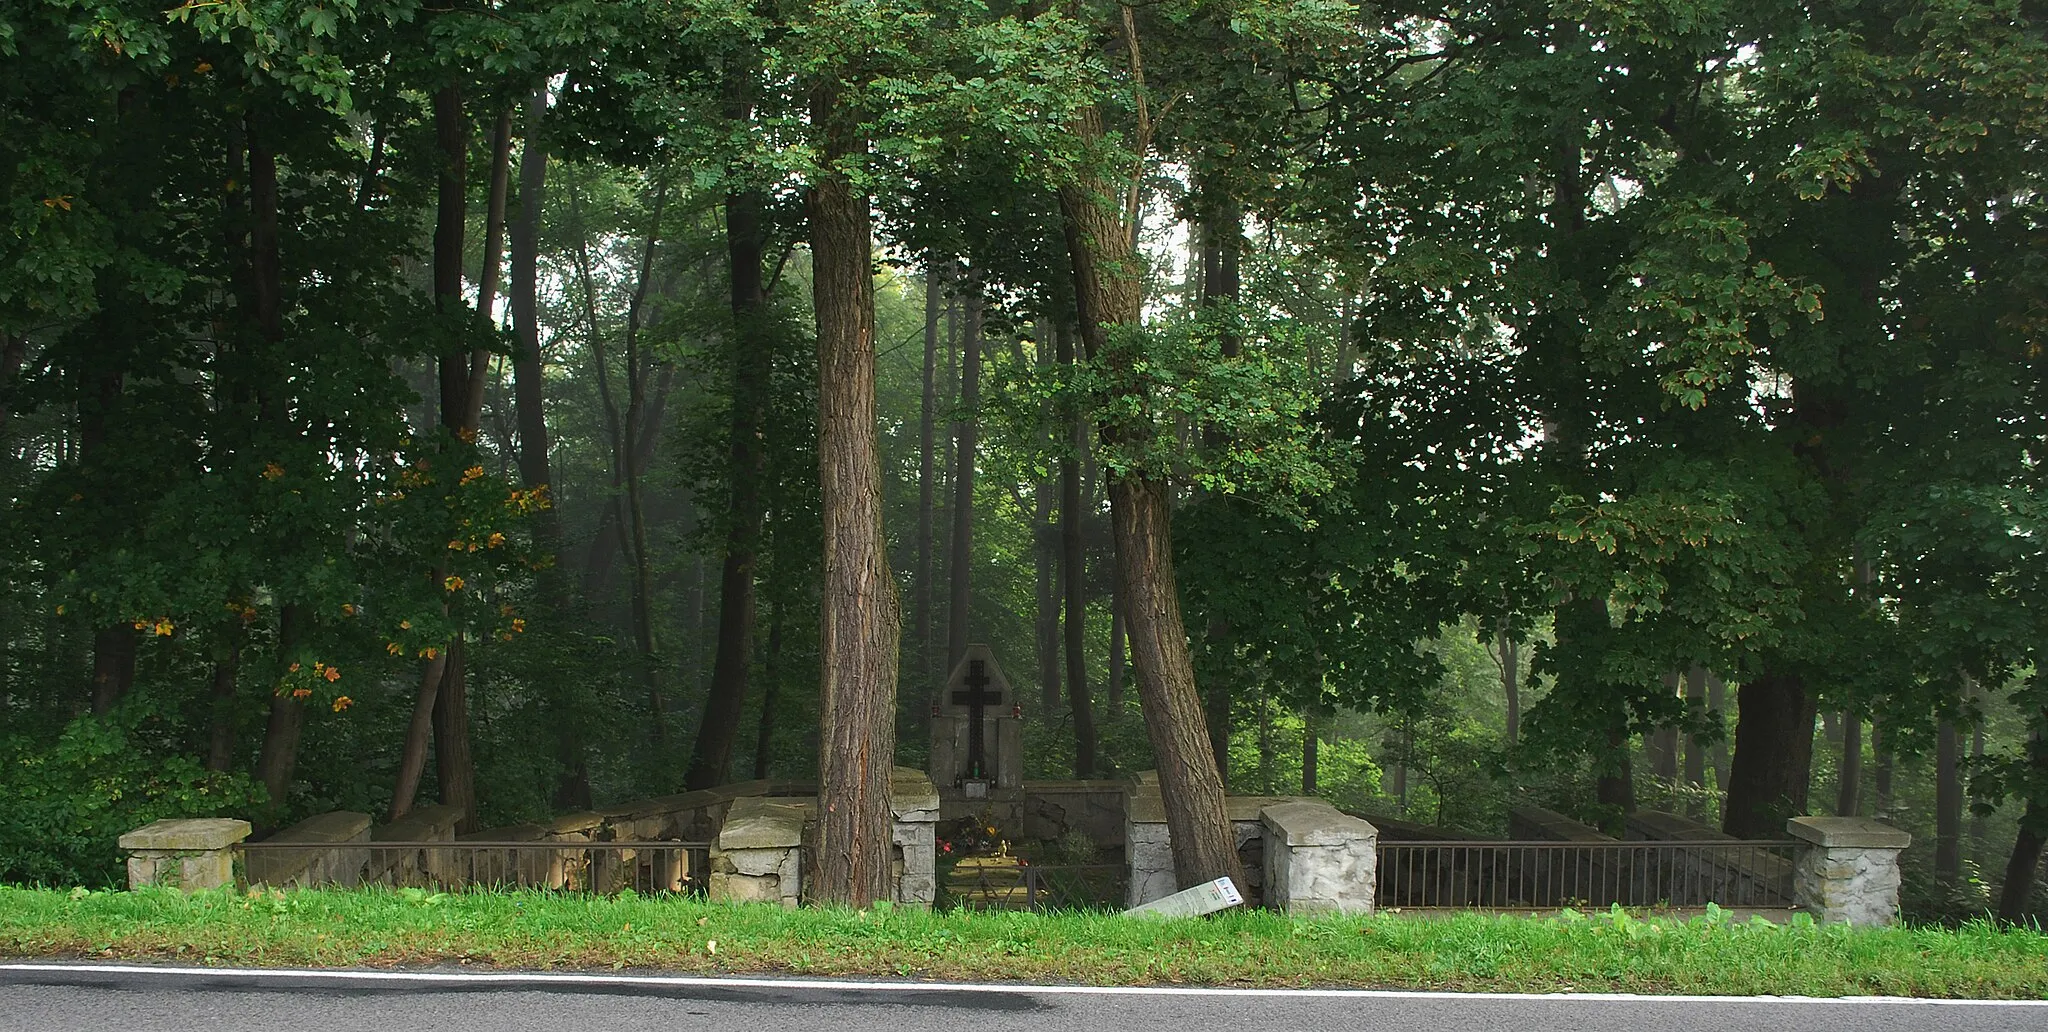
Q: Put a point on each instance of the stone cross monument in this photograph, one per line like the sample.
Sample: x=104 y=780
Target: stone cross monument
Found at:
x=977 y=729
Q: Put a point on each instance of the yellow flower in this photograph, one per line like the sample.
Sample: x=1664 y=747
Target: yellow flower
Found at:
x=348 y=609
x=163 y=627
x=518 y=625
x=300 y=693
x=496 y=539
x=271 y=471
x=394 y=648
x=453 y=583
x=429 y=653
x=470 y=474
x=405 y=625
x=295 y=668
x=342 y=702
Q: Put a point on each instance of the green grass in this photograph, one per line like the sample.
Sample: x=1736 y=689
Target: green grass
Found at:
x=1598 y=953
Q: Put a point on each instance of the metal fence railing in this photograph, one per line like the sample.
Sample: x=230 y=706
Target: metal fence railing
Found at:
x=1548 y=875
x=594 y=867
x=1032 y=887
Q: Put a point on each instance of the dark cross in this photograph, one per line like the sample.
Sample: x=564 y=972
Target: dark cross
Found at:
x=974 y=699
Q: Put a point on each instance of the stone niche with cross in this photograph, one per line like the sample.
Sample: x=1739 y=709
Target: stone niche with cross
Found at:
x=977 y=730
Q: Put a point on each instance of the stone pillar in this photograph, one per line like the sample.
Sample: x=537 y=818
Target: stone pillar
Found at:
x=914 y=802
x=1847 y=869
x=191 y=854
x=1319 y=861
x=758 y=855
x=1148 y=846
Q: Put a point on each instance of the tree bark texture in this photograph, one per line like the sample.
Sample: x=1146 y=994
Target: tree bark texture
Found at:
x=1045 y=614
x=860 y=612
x=966 y=448
x=487 y=278
x=1768 y=780
x=454 y=763
x=2023 y=866
x=752 y=365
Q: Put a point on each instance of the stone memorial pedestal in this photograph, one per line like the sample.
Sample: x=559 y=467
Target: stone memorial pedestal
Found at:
x=1847 y=870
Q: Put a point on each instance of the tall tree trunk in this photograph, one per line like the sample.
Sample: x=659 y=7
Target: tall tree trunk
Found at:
x=113 y=665
x=1221 y=233
x=453 y=761
x=1119 y=649
x=1664 y=742
x=636 y=509
x=220 y=744
x=1773 y=756
x=1045 y=611
x=279 y=755
x=771 y=687
x=487 y=279
x=1881 y=779
x=1717 y=702
x=1695 y=750
x=1616 y=786
x=1310 y=739
x=1073 y=574
x=2024 y=865
x=927 y=471
x=861 y=619
x=529 y=400
x=1948 y=804
x=752 y=366
x=1849 y=772
x=966 y=436
x=1510 y=679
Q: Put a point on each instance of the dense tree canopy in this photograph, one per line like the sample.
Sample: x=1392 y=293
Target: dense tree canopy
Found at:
x=529 y=405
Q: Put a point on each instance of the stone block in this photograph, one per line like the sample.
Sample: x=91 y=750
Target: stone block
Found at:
x=191 y=854
x=1318 y=860
x=1658 y=826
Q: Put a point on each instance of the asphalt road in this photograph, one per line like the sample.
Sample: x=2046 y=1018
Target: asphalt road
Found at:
x=115 y=998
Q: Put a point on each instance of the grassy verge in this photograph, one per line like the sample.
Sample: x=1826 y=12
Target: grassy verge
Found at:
x=1604 y=952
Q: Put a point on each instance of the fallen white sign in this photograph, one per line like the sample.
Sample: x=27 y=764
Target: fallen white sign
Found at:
x=1206 y=898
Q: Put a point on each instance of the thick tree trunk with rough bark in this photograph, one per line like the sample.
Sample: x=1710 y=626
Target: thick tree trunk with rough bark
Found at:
x=752 y=365
x=453 y=761
x=861 y=619
x=1109 y=292
x=2023 y=866
x=1768 y=780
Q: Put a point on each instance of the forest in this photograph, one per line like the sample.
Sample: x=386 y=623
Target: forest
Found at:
x=529 y=404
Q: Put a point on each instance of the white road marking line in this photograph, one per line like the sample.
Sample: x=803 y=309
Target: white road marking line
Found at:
x=711 y=982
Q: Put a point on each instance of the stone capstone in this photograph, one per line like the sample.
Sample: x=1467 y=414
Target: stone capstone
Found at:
x=1317 y=859
x=1847 y=833
x=1847 y=869
x=306 y=868
x=190 y=854
x=192 y=834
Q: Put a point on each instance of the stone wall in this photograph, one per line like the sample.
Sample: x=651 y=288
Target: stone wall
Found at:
x=758 y=854
x=914 y=805
x=1053 y=809
x=1847 y=869
x=1317 y=859
x=1148 y=846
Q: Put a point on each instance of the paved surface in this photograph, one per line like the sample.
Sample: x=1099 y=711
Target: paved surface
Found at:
x=45 y=998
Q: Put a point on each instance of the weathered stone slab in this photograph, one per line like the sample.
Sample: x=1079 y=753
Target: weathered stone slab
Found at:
x=1847 y=833
x=757 y=823
x=307 y=868
x=191 y=834
x=395 y=858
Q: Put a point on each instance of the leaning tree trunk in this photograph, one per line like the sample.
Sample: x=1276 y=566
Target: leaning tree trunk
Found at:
x=1767 y=782
x=752 y=364
x=2025 y=863
x=859 y=609
x=1109 y=292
